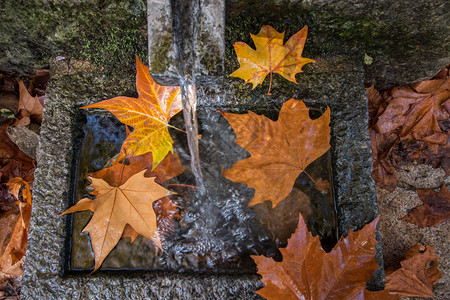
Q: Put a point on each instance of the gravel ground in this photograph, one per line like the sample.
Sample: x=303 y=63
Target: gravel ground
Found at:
x=398 y=236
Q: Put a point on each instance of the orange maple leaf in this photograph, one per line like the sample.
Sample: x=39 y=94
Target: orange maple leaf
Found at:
x=280 y=150
x=149 y=115
x=115 y=207
x=271 y=56
x=164 y=208
x=308 y=272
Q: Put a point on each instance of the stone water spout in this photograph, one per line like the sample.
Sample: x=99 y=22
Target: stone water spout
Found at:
x=178 y=24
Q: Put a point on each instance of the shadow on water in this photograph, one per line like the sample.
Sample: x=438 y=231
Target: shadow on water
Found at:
x=216 y=232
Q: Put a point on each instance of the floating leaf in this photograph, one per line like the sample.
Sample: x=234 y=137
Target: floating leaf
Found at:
x=115 y=207
x=149 y=115
x=280 y=150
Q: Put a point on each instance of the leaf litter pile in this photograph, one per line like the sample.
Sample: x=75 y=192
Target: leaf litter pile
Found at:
x=411 y=124
x=129 y=197
x=21 y=108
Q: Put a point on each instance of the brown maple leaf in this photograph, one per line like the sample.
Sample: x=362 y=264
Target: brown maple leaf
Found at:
x=16 y=247
x=322 y=185
x=418 y=274
x=414 y=112
x=115 y=207
x=271 y=56
x=29 y=107
x=435 y=208
x=409 y=123
x=280 y=150
x=382 y=145
x=308 y=272
x=149 y=115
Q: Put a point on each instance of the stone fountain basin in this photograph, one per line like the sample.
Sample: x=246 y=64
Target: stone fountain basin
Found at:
x=336 y=80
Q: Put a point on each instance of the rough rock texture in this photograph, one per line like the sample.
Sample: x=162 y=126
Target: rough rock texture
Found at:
x=399 y=236
x=104 y=32
x=406 y=40
x=26 y=139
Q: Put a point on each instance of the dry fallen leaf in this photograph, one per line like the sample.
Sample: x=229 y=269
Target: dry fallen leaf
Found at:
x=271 y=56
x=308 y=272
x=418 y=274
x=115 y=207
x=435 y=208
x=414 y=113
x=17 y=185
x=149 y=115
x=280 y=150
x=29 y=108
x=10 y=259
x=410 y=123
x=13 y=162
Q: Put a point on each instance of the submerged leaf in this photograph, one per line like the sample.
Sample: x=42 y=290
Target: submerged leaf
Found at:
x=322 y=185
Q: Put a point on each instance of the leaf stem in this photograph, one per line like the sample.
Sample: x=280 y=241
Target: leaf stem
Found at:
x=270 y=84
x=122 y=169
x=310 y=177
x=176 y=128
x=181 y=184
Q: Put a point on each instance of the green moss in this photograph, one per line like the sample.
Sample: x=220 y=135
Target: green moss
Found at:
x=108 y=33
x=160 y=54
x=333 y=32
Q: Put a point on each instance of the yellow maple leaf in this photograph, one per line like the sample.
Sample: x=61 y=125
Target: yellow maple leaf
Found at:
x=271 y=56
x=149 y=115
x=115 y=207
